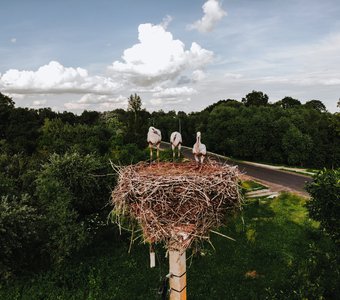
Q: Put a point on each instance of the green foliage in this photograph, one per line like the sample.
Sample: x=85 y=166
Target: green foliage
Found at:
x=284 y=257
x=72 y=195
x=324 y=205
x=297 y=146
x=64 y=233
x=60 y=137
x=255 y=98
x=289 y=102
x=294 y=136
x=18 y=231
x=315 y=104
x=250 y=185
x=79 y=176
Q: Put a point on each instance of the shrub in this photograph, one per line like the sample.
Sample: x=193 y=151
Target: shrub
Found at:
x=324 y=205
x=18 y=230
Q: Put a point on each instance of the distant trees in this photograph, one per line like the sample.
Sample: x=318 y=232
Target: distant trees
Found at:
x=289 y=102
x=315 y=104
x=53 y=166
x=255 y=98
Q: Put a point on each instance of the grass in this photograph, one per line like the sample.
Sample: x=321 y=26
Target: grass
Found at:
x=278 y=254
x=250 y=185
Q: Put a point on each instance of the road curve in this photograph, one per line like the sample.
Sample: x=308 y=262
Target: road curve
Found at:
x=286 y=179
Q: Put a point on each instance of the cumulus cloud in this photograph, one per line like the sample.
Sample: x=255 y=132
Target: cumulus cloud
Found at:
x=168 y=103
x=97 y=102
x=96 y=99
x=213 y=12
x=54 y=78
x=158 y=57
x=39 y=102
x=198 y=75
x=175 y=92
x=166 y=21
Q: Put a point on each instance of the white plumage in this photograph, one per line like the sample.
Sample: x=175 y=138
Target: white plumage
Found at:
x=176 y=142
x=154 y=138
x=199 y=150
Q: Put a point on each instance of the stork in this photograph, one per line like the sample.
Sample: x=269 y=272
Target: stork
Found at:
x=176 y=142
x=199 y=150
x=154 y=138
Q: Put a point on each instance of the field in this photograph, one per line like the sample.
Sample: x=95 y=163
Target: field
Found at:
x=278 y=254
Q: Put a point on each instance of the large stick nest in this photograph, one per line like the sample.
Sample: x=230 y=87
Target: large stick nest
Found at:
x=176 y=203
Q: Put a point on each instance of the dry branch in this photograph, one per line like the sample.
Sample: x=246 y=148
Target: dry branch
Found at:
x=176 y=203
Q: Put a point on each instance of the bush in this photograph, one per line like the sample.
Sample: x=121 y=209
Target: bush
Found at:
x=324 y=205
x=18 y=230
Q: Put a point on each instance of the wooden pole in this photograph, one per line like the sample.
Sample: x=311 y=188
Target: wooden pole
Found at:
x=178 y=275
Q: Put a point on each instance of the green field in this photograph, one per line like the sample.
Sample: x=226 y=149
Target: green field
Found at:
x=278 y=254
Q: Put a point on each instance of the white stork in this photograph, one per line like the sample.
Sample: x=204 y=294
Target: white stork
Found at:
x=176 y=142
x=199 y=150
x=154 y=138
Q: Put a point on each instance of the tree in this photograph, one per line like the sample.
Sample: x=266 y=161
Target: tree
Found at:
x=255 y=98
x=5 y=102
x=18 y=226
x=289 y=102
x=315 y=104
x=6 y=107
x=324 y=205
x=296 y=145
x=135 y=104
x=89 y=117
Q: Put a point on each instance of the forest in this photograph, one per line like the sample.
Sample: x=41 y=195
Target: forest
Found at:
x=56 y=177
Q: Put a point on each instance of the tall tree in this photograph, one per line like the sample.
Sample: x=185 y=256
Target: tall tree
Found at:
x=6 y=106
x=289 y=102
x=255 y=98
x=315 y=104
x=135 y=104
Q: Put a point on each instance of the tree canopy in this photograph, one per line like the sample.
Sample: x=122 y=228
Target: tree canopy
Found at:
x=255 y=98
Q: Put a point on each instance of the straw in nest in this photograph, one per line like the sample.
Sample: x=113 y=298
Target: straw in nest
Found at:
x=176 y=203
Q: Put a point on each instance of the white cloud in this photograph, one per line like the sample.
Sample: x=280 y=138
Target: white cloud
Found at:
x=54 y=78
x=198 y=75
x=175 y=92
x=96 y=99
x=76 y=106
x=158 y=57
x=13 y=40
x=213 y=12
x=232 y=75
x=166 y=21
x=168 y=103
x=97 y=102
x=39 y=102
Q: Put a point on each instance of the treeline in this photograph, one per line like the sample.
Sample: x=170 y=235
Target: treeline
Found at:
x=55 y=176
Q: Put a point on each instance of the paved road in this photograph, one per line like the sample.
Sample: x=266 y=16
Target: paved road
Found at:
x=290 y=180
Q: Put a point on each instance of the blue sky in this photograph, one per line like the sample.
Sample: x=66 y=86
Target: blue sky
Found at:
x=182 y=55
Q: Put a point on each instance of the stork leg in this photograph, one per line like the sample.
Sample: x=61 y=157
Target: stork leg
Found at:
x=179 y=150
x=158 y=152
x=150 y=147
x=173 y=152
x=202 y=159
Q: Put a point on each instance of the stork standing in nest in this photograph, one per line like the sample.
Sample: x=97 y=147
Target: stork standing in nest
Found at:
x=154 y=138
x=176 y=142
x=199 y=150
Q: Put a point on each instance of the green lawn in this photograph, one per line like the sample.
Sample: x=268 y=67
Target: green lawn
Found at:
x=278 y=254
x=250 y=185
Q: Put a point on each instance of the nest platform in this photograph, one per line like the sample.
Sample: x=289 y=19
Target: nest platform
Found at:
x=176 y=203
